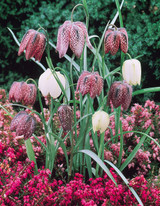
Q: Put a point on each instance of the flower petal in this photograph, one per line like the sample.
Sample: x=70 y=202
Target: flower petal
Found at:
x=40 y=47
x=32 y=45
x=83 y=27
x=76 y=40
x=63 y=38
x=25 y=40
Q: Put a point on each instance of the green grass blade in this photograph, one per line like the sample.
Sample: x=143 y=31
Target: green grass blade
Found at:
x=30 y=153
x=133 y=153
x=146 y=90
x=125 y=181
x=100 y=162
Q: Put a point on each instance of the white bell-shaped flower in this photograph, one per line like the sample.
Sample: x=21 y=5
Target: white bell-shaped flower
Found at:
x=131 y=71
x=100 y=121
x=48 y=85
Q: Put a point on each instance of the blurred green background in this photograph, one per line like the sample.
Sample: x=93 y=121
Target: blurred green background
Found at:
x=141 y=20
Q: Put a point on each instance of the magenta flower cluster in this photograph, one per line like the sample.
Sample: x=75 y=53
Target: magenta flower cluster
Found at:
x=19 y=185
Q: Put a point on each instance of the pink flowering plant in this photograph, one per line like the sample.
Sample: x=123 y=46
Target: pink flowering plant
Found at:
x=83 y=129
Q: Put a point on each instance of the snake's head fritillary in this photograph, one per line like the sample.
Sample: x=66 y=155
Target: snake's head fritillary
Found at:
x=73 y=35
x=90 y=82
x=24 y=124
x=23 y=92
x=115 y=38
x=120 y=93
x=34 y=43
x=65 y=116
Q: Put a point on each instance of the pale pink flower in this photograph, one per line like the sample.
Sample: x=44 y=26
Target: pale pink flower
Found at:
x=72 y=34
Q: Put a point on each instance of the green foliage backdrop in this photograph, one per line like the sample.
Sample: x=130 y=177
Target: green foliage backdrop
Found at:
x=141 y=19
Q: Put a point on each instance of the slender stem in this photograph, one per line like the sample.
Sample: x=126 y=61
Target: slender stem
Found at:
x=113 y=26
x=84 y=10
x=6 y=111
x=101 y=146
x=71 y=158
x=129 y=55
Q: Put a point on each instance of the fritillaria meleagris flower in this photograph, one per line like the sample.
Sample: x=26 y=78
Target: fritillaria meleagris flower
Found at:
x=24 y=124
x=48 y=85
x=115 y=38
x=131 y=71
x=120 y=93
x=23 y=92
x=65 y=116
x=34 y=43
x=90 y=82
x=100 y=121
x=72 y=34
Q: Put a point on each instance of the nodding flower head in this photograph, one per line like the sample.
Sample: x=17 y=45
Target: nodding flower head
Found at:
x=65 y=116
x=23 y=92
x=115 y=38
x=100 y=121
x=48 y=85
x=90 y=82
x=34 y=43
x=72 y=34
x=120 y=93
x=131 y=71
x=24 y=124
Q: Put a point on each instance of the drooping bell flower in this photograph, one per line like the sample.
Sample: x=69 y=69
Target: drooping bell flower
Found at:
x=131 y=71
x=73 y=35
x=100 y=121
x=24 y=124
x=34 y=43
x=48 y=85
x=120 y=93
x=23 y=92
x=65 y=116
x=115 y=38
x=90 y=82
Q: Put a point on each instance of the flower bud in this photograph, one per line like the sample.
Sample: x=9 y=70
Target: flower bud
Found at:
x=48 y=85
x=65 y=116
x=90 y=82
x=131 y=71
x=34 y=43
x=23 y=92
x=100 y=121
x=24 y=124
x=120 y=93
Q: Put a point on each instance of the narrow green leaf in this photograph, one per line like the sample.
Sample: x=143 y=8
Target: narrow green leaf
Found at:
x=146 y=90
x=100 y=162
x=30 y=153
x=125 y=181
x=133 y=153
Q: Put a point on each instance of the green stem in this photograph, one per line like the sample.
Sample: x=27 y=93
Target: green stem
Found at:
x=121 y=146
x=86 y=12
x=117 y=121
x=100 y=154
x=71 y=158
